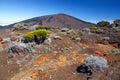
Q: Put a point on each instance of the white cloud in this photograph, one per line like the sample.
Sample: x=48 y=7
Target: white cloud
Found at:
x=3 y=23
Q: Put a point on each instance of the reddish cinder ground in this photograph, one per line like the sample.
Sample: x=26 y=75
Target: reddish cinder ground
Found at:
x=58 y=63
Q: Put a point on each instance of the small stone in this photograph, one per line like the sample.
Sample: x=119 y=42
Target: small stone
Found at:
x=73 y=73
x=50 y=76
x=84 y=47
x=41 y=69
x=57 y=38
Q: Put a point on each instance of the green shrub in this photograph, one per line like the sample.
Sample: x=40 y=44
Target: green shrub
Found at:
x=103 y=23
x=117 y=22
x=105 y=28
x=42 y=27
x=116 y=51
x=30 y=35
x=94 y=28
x=75 y=35
x=46 y=27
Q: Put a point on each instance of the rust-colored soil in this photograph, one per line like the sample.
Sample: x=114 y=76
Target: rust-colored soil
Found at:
x=57 y=61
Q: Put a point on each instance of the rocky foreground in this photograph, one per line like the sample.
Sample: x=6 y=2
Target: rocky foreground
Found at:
x=57 y=61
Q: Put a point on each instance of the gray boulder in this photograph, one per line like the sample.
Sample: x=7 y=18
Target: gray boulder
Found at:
x=47 y=41
x=57 y=38
x=17 y=47
x=76 y=39
x=6 y=40
x=116 y=28
x=105 y=38
x=86 y=30
x=96 y=63
x=64 y=29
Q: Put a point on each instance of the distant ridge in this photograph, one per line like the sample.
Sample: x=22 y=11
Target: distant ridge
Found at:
x=1 y=27
x=62 y=20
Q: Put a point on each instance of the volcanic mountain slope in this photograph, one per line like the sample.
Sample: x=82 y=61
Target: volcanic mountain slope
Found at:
x=1 y=27
x=62 y=20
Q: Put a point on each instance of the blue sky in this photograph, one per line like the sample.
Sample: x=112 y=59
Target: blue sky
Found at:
x=89 y=10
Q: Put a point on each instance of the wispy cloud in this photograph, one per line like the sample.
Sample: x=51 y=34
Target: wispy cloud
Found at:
x=3 y=23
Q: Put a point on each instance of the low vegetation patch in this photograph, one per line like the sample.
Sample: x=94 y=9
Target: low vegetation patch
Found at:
x=94 y=28
x=30 y=35
x=46 y=27
x=105 y=28
x=42 y=27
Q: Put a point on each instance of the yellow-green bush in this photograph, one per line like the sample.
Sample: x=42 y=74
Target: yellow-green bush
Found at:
x=42 y=27
x=75 y=35
x=105 y=28
x=46 y=27
x=94 y=28
x=30 y=35
x=103 y=23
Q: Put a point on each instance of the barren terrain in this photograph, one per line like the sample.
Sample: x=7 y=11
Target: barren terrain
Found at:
x=57 y=61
